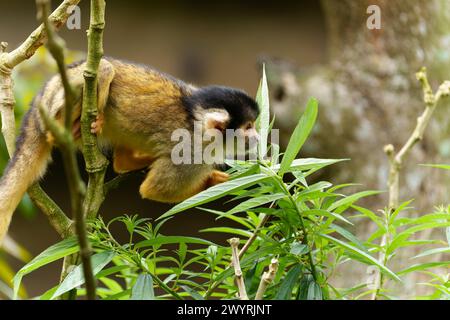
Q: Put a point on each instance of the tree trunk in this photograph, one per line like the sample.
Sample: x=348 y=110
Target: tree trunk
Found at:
x=369 y=96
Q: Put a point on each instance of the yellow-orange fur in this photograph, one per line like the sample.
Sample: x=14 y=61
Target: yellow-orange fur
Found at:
x=139 y=108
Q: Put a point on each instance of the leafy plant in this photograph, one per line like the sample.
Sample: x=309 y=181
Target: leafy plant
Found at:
x=301 y=224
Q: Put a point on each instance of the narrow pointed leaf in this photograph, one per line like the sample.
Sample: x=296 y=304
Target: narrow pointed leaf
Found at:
x=347 y=201
x=76 y=277
x=161 y=240
x=143 y=288
x=262 y=98
x=214 y=193
x=51 y=254
x=255 y=202
x=301 y=133
x=362 y=254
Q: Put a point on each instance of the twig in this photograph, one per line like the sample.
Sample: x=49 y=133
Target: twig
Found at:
x=267 y=279
x=57 y=218
x=234 y=243
x=96 y=163
x=115 y=182
x=64 y=138
x=254 y=235
x=395 y=161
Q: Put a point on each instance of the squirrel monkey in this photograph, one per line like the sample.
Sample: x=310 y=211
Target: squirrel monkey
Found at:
x=138 y=109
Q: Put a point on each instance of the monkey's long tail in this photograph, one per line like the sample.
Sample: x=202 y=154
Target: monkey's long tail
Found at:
x=27 y=165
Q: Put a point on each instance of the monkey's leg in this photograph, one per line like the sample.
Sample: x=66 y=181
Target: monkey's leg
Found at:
x=105 y=76
x=171 y=183
x=126 y=160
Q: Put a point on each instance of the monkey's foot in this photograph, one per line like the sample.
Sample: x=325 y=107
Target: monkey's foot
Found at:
x=97 y=125
x=76 y=130
x=217 y=177
x=50 y=138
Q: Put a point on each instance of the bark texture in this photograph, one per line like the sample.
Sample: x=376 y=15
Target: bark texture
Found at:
x=369 y=96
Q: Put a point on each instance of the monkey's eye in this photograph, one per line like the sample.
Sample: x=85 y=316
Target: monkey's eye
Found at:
x=249 y=126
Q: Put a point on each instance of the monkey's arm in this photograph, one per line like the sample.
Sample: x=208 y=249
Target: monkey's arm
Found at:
x=167 y=182
x=126 y=160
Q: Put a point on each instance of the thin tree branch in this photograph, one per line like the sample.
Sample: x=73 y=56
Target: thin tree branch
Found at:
x=57 y=218
x=115 y=182
x=244 y=249
x=254 y=235
x=267 y=279
x=64 y=138
x=396 y=159
x=96 y=163
x=234 y=243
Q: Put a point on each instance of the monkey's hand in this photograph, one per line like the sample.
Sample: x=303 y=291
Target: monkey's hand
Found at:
x=217 y=177
x=97 y=125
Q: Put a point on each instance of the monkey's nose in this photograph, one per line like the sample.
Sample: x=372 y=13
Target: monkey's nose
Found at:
x=252 y=134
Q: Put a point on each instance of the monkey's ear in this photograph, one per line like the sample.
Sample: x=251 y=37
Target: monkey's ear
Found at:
x=216 y=119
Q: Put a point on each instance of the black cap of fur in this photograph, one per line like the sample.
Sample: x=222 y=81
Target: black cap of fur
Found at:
x=237 y=103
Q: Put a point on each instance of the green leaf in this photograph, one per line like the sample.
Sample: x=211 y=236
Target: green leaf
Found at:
x=303 y=288
x=314 y=291
x=349 y=236
x=55 y=252
x=194 y=294
x=402 y=207
x=424 y=266
x=110 y=271
x=439 y=166
x=214 y=193
x=304 y=164
x=229 y=230
x=320 y=212
x=182 y=250
x=372 y=216
x=161 y=240
x=143 y=288
x=76 y=277
x=301 y=133
x=347 y=201
x=254 y=202
x=239 y=220
x=263 y=123
x=432 y=251
x=298 y=248
x=410 y=231
x=289 y=282
x=362 y=254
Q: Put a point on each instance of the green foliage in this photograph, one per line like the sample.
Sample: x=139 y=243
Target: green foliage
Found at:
x=304 y=224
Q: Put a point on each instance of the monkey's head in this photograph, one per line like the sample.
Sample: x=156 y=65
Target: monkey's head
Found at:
x=229 y=111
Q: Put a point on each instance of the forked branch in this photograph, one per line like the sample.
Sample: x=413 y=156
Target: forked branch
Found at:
x=396 y=159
